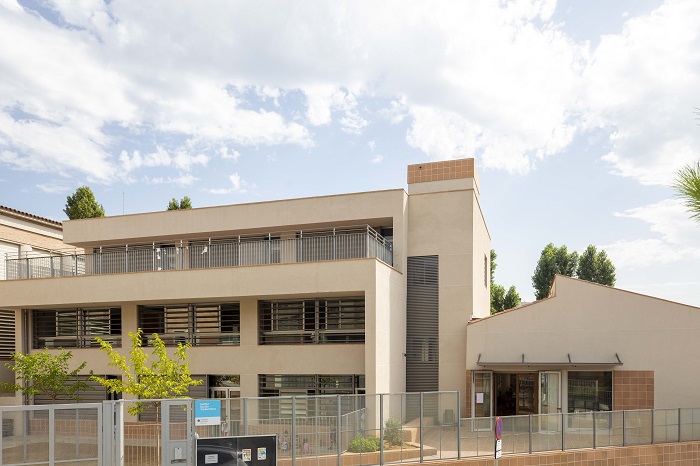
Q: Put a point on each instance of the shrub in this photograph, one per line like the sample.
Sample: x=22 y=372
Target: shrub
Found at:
x=364 y=445
x=392 y=431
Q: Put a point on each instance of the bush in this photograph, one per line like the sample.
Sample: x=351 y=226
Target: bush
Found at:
x=392 y=431
x=364 y=445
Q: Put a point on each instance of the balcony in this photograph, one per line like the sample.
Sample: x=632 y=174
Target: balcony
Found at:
x=272 y=248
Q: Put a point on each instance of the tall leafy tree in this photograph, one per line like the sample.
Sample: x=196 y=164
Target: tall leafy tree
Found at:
x=500 y=299
x=595 y=266
x=46 y=374
x=184 y=203
x=511 y=299
x=164 y=377
x=553 y=260
x=687 y=186
x=82 y=204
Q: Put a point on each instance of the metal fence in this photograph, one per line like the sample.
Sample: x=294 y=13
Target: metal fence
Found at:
x=548 y=432
x=320 y=430
x=363 y=243
x=69 y=433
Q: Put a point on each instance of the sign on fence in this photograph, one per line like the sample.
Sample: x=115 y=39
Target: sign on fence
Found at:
x=207 y=412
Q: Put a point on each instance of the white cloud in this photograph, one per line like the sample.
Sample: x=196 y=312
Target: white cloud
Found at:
x=238 y=185
x=186 y=179
x=226 y=155
x=677 y=237
x=496 y=80
x=643 y=84
x=379 y=158
x=54 y=187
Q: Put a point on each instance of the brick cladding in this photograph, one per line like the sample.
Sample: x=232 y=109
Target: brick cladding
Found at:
x=439 y=171
x=633 y=390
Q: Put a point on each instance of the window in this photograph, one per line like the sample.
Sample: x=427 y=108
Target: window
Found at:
x=486 y=271
x=197 y=324
x=309 y=385
x=589 y=391
x=313 y=321
x=76 y=328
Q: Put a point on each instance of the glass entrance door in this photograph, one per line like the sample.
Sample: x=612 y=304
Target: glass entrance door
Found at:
x=481 y=400
x=550 y=401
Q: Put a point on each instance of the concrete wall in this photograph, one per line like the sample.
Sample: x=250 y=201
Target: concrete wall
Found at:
x=592 y=323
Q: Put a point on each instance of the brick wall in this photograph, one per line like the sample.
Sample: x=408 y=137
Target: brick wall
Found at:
x=633 y=390
x=439 y=171
x=468 y=395
x=666 y=454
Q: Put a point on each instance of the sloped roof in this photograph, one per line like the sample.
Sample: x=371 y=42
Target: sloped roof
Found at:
x=30 y=217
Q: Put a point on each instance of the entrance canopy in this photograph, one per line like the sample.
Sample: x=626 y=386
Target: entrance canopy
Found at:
x=567 y=363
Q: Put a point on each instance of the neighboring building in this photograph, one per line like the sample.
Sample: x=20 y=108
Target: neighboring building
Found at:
x=585 y=347
x=356 y=293
x=21 y=235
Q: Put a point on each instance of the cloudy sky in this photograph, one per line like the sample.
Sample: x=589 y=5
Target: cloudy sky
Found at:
x=578 y=113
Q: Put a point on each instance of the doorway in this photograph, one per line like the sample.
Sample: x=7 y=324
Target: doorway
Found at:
x=516 y=394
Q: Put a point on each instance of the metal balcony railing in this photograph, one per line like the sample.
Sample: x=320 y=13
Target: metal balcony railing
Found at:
x=304 y=246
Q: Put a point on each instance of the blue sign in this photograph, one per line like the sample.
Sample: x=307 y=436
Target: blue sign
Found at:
x=207 y=412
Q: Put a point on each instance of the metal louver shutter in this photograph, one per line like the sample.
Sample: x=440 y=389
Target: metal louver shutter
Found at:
x=7 y=333
x=422 y=339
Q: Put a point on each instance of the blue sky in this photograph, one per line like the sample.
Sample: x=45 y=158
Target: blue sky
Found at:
x=578 y=113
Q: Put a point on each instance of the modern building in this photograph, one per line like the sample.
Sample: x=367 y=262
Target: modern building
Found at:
x=586 y=347
x=357 y=293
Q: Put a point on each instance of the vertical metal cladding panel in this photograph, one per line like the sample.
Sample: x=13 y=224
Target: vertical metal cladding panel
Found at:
x=422 y=324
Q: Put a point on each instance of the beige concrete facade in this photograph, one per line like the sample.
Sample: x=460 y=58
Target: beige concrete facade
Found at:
x=436 y=217
x=590 y=323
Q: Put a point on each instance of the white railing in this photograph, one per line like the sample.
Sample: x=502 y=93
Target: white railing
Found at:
x=237 y=252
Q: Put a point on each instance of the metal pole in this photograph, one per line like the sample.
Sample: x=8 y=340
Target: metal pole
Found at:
x=594 y=429
x=562 y=432
x=209 y=254
x=245 y=416
x=530 y=434
x=381 y=428
x=338 y=433
x=294 y=431
x=420 y=434
x=52 y=436
x=459 y=426
x=652 y=426
x=624 y=429
x=679 y=424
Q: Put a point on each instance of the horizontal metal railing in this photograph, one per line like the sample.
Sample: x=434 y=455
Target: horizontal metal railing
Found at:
x=200 y=254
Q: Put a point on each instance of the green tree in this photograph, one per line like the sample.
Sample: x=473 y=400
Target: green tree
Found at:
x=500 y=300
x=511 y=299
x=595 y=266
x=46 y=374
x=687 y=186
x=185 y=203
x=82 y=204
x=164 y=377
x=553 y=260
x=498 y=296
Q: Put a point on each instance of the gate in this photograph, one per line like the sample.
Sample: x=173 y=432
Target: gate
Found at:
x=162 y=434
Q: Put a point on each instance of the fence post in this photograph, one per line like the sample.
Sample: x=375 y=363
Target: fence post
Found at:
x=594 y=434
x=652 y=426
x=420 y=427
x=459 y=426
x=381 y=429
x=563 y=434
x=624 y=429
x=294 y=431
x=679 y=424
x=52 y=435
x=126 y=258
x=338 y=433
x=530 y=434
x=245 y=416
